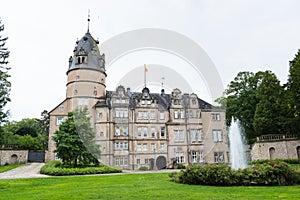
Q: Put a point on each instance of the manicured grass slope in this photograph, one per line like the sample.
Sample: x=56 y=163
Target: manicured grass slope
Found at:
x=9 y=167
x=136 y=186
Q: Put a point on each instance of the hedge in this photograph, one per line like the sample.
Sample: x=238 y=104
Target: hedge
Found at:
x=271 y=173
x=55 y=168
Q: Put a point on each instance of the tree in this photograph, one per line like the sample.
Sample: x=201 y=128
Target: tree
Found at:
x=4 y=76
x=293 y=96
x=74 y=140
x=240 y=100
x=269 y=114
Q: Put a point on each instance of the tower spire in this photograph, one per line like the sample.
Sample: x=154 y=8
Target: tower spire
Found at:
x=88 y=30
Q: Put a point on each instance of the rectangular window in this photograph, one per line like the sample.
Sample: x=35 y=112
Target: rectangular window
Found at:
x=148 y=102
x=161 y=115
x=117 y=113
x=176 y=114
x=146 y=160
x=117 y=146
x=138 y=161
x=198 y=114
x=217 y=135
x=181 y=135
x=215 y=116
x=194 y=156
x=117 y=162
x=162 y=146
x=125 y=161
x=139 y=131
x=199 y=135
x=145 y=115
x=117 y=133
x=152 y=115
x=162 y=132
x=145 y=147
x=121 y=161
x=59 y=120
x=125 y=130
x=193 y=135
x=125 y=113
x=140 y=115
x=176 y=135
x=125 y=146
x=219 y=157
x=153 y=132
x=191 y=114
x=182 y=114
x=201 y=158
x=153 y=147
x=180 y=158
x=121 y=145
x=139 y=147
x=145 y=132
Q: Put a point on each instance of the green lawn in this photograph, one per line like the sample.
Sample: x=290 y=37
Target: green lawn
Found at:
x=135 y=186
x=9 y=167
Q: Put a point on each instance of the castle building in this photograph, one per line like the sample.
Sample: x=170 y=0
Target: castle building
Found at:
x=136 y=129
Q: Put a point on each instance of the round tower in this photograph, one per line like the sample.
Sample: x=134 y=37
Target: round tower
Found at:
x=86 y=72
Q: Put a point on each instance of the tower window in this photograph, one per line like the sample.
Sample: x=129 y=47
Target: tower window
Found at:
x=78 y=60
x=75 y=92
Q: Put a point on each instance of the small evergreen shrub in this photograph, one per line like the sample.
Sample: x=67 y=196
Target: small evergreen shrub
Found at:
x=55 y=168
x=271 y=173
x=180 y=166
x=143 y=168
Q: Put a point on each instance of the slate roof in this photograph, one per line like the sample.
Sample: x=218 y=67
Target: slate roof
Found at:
x=87 y=46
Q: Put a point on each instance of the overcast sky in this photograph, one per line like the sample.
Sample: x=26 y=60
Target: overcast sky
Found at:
x=237 y=36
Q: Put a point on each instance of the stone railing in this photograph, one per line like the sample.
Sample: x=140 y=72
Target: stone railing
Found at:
x=275 y=137
x=9 y=146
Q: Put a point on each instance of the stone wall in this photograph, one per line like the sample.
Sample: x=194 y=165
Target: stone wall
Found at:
x=276 y=149
x=13 y=156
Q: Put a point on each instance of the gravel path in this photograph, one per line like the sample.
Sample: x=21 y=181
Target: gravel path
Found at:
x=32 y=170
x=29 y=170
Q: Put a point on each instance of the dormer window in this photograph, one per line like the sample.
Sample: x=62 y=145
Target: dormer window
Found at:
x=81 y=60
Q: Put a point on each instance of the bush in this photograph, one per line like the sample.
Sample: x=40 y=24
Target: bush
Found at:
x=55 y=168
x=143 y=168
x=271 y=173
x=180 y=166
x=288 y=160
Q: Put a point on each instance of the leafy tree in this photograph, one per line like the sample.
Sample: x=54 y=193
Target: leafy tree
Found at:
x=74 y=140
x=28 y=126
x=269 y=114
x=240 y=100
x=293 y=96
x=4 y=76
x=29 y=142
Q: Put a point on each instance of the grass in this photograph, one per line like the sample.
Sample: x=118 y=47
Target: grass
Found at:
x=132 y=186
x=9 y=167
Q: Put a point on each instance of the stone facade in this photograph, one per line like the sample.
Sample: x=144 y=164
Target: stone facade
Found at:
x=13 y=156
x=136 y=129
x=272 y=147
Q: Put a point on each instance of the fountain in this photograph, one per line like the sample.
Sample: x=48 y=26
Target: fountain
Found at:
x=237 y=152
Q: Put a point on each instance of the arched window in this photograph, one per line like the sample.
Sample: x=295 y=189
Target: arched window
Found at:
x=272 y=153
x=82 y=59
x=78 y=60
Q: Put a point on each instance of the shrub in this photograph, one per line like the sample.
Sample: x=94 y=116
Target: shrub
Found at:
x=271 y=173
x=180 y=166
x=143 y=168
x=55 y=168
